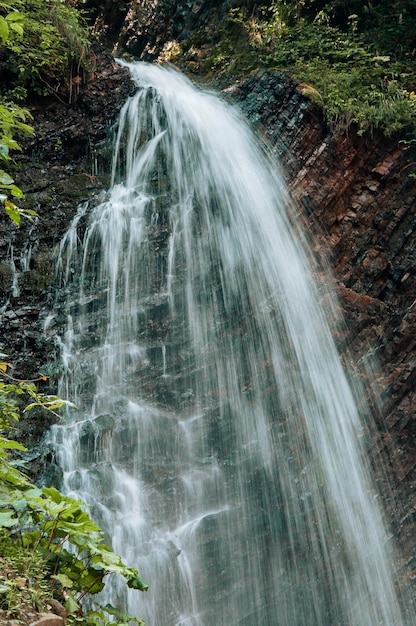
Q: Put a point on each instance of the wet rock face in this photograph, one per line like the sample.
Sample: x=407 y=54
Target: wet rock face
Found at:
x=143 y=36
x=358 y=198
x=64 y=163
x=145 y=27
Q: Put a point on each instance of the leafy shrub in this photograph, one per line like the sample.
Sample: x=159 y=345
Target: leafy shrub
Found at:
x=350 y=82
x=45 y=46
x=50 y=46
x=46 y=537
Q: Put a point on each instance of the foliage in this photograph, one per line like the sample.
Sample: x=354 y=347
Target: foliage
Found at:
x=50 y=47
x=22 y=583
x=44 y=46
x=356 y=58
x=46 y=536
x=351 y=82
x=12 y=121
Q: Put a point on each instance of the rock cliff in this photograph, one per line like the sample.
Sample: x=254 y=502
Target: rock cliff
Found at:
x=357 y=195
x=358 y=199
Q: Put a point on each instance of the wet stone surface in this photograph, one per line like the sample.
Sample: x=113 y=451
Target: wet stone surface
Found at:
x=359 y=203
x=64 y=163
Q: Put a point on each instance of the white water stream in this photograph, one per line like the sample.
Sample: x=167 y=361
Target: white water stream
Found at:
x=217 y=438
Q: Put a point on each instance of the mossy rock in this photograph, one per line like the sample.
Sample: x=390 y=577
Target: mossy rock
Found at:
x=39 y=278
x=104 y=423
x=78 y=187
x=6 y=278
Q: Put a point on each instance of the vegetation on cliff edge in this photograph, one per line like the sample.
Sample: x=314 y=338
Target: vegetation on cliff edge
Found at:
x=354 y=58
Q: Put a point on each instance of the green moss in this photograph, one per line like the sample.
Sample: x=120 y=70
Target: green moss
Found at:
x=350 y=81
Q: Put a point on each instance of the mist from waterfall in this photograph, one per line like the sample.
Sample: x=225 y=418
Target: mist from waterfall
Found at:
x=216 y=439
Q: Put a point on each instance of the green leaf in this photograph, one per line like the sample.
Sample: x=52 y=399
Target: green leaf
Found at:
x=17 y=28
x=16 y=191
x=7 y=519
x=64 y=580
x=12 y=476
x=78 y=527
x=15 y=16
x=33 y=492
x=4 y=29
x=51 y=403
x=57 y=496
x=122 y=615
x=5 y=179
x=11 y=143
x=10 y=444
x=71 y=604
x=13 y=212
x=20 y=505
x=135 y=582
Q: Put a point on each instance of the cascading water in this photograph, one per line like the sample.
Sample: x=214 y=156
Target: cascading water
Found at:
x=217 y=439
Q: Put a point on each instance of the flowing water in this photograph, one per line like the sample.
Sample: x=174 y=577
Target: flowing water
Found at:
x=217 y=439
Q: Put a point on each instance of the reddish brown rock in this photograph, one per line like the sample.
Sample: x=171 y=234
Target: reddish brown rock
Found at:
x=360 y=203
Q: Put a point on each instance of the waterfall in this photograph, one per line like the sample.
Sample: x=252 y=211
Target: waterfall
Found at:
x=216 y=439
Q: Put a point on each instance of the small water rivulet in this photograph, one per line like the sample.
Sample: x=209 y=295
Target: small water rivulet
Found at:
x=216 y=439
